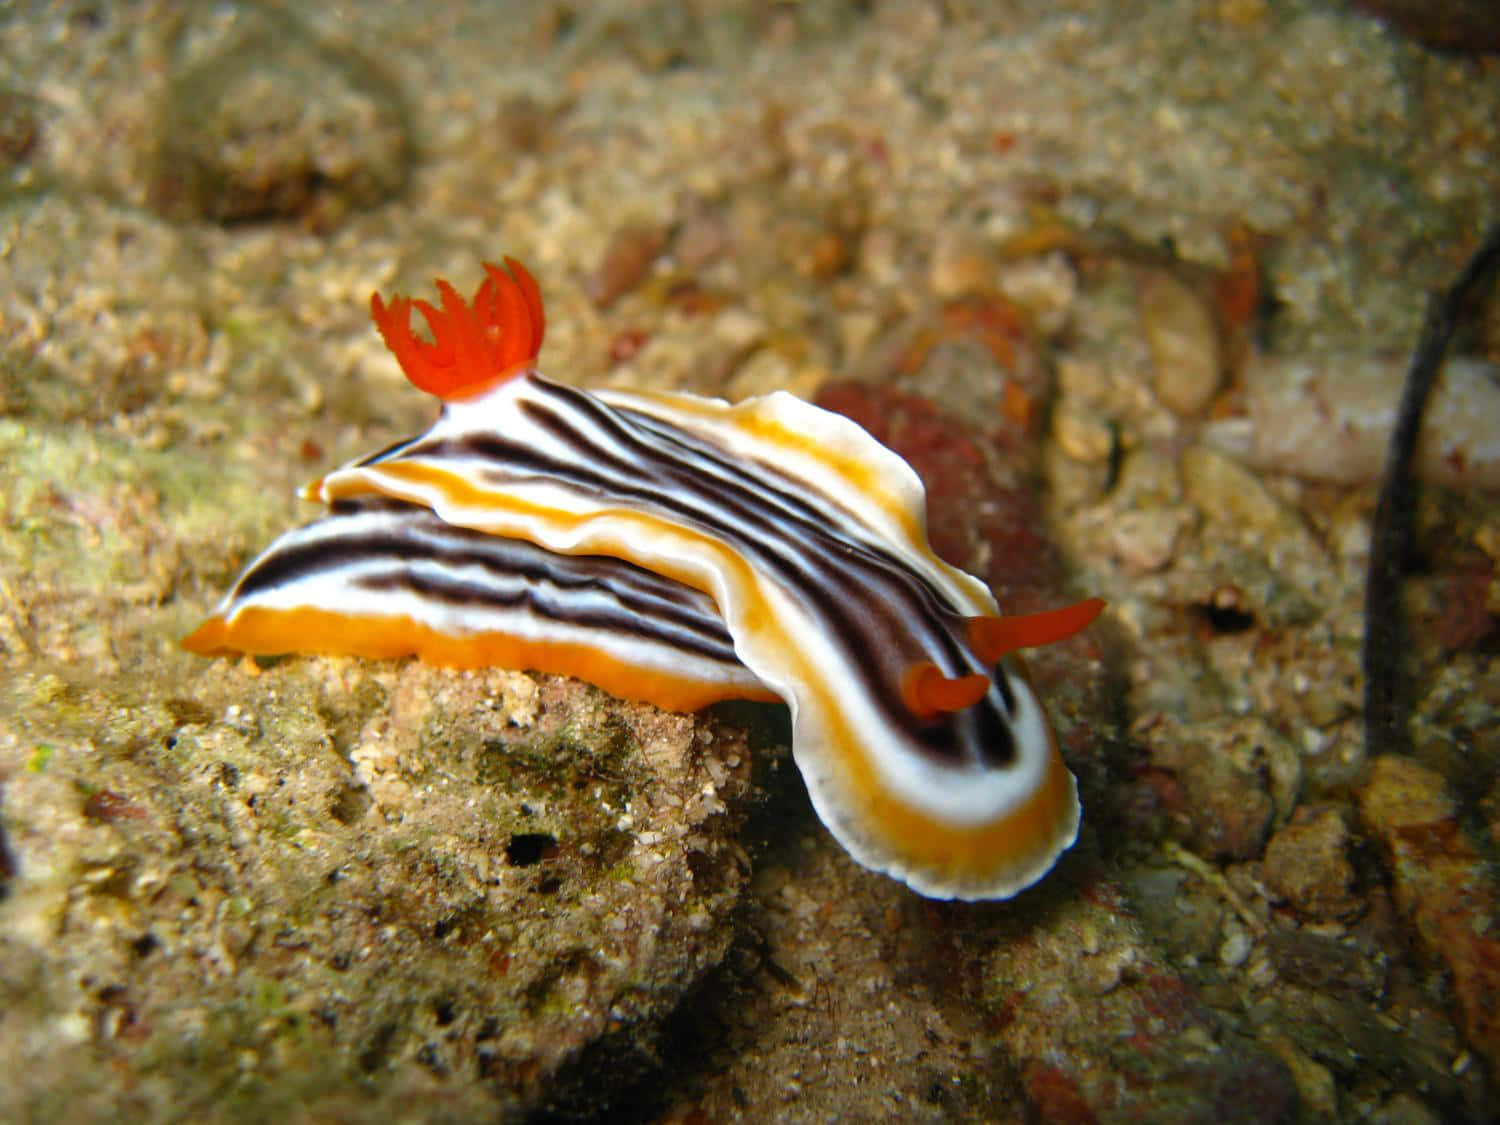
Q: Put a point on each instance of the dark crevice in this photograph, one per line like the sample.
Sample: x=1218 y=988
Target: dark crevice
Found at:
x=7 y=865
x=526 y=849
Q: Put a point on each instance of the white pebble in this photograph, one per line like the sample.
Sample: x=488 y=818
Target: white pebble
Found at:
x=1082 y=434
x=1186 y=358
x=1330 y=418
x=1145 y=540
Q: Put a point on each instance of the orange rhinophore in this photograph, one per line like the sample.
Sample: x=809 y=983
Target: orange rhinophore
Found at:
x=928 y=693
x=995 y=638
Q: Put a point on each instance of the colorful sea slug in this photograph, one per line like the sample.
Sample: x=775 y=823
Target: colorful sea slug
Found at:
x=682 y=550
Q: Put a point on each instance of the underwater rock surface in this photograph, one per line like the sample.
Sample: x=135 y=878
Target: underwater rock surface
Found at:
x=232 y=891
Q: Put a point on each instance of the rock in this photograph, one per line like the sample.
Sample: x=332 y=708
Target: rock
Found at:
x=1330 y=418
x=1405 y=1109
x=1442 y=886
x=1146 y=539
x=1081 y=434
x=1453 y=25
x=20 y=128
x=7 y=865
x=1231 y=811
x=1081 y=1004
x=1307 y=864
x=361 y=880
x=1230 y=775
x=1045 y=288
x=1315 y=1085
x=1186 y=356
x=1225 y=491
x=811 y=246
x=702 y=239
x=276 y=124
x=626 y=262
x=959 y=268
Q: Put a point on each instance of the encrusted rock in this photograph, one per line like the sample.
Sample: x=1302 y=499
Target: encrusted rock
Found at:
x=455 y=882
x=20 y=127
x=1081 y=1004
x=959 y=268
x=1145 y=540
x=1453 y=25
x=276 y=124
x=1225 y=490
x=1307 y=864
x=1442 y=885
x=1330 y=417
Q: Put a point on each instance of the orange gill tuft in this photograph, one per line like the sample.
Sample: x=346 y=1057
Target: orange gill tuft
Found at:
x=474 y=345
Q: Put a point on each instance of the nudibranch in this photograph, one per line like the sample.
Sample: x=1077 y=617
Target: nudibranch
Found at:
x=680 y=550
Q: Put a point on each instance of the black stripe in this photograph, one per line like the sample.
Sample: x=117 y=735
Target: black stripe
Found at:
x=867 y=599
x=650 y=603
x=458 y=593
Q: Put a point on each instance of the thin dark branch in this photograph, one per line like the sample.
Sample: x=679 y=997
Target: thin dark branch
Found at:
x=1387 y=693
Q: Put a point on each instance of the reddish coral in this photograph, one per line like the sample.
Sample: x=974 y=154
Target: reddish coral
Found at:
x=1442 y=885
x=992 y=320
x=1056 y=1097
x=1002 y=141
x=107 y=806
x=1237 y=292
x=627 y=344
x=980 y=516
x=1463 y=620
